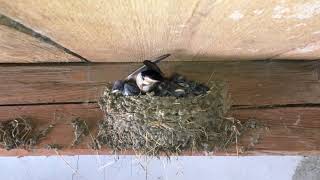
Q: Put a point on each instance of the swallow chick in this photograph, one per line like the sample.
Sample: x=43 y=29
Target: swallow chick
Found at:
x=118 y=86
x=126 y=88
x=130 y=89
x=169 y=88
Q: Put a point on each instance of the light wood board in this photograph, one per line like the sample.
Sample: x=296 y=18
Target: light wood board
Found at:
x=133 y=30
x=17 y=47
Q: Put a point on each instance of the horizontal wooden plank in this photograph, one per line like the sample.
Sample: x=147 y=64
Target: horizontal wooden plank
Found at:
x=294 y=131
x=61 y=115
x=291 y=130
x=19 y=47
x=132 y=30
x=251 y=83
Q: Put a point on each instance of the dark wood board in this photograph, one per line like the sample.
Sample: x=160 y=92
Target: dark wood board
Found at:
x=282 y=95
x=251 y=83
x=288 y=131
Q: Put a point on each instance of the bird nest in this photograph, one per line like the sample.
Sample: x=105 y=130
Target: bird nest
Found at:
x=21 y=133
x=154 y=125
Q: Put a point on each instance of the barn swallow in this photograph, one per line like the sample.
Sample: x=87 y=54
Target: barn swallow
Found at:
x=145 y=78
x=126 y=88
x=149 y=75
x=118 y=86
x=134 y=74
x=130 y=89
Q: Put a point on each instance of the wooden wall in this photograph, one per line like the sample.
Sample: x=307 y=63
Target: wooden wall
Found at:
x=282 y=94
x=198 y=30
x=19 y=47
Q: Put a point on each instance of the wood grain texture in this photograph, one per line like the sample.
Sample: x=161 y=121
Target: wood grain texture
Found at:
x=310 y=51
x=293 y=131
x=250 y=83
x=17 y=47
x=127 y=31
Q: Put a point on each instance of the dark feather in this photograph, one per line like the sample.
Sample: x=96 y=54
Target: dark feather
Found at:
x=152 y=66
x=152 y=74
x=117 y=86
x=143 y=68
x=130 y=89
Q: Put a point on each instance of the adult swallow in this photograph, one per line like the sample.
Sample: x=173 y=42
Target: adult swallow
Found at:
x=148 y=75
x=145 y=78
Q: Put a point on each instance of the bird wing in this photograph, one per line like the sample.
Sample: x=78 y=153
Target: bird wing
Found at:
x=144 y=67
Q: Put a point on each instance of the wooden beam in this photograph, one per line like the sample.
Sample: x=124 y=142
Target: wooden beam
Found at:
x=19 y=47
x=293 y=131
x=132 y=30
x=282 y=95
x=251 y=83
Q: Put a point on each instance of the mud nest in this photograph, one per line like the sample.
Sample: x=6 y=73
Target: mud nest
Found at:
x=80 y=129
x=20 y=133
x=152 y=125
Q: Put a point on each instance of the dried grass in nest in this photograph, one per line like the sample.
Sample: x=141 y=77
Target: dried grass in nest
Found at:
x=20 y=133
x=153 y=125
x=80 y=129
x=53 y=146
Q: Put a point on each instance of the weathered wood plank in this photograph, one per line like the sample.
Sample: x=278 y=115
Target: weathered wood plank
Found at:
x=62 y=115
x=310 y=51
x=109 y=31
x=251 y=83
x=17 y=47
x=290 y=130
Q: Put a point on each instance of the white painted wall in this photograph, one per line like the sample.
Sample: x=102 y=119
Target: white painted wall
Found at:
x=131 y=167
